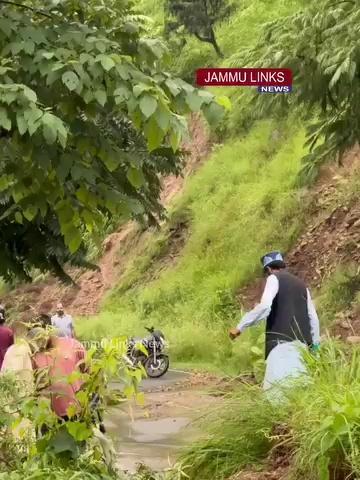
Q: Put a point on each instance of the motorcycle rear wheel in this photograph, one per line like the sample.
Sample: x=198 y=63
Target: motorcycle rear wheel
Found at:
x=157 y=368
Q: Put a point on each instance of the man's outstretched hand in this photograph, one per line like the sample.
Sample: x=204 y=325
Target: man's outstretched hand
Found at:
x=233 y=333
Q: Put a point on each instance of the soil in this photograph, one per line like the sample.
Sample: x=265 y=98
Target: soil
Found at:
x=331 y=237
x=91 y=286
x=280 y=473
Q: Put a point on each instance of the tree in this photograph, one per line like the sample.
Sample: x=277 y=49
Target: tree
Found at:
x=320 y=44
x=197 y=17
x=88 y=122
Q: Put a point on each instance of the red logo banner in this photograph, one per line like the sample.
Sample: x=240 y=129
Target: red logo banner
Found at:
x=255 y=77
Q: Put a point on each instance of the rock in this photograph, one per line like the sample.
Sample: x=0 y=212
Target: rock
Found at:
x=354 y=339
x=345 y=325
x=107 y=244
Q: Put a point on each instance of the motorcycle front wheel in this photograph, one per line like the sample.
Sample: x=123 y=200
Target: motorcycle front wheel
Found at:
x=156 y=368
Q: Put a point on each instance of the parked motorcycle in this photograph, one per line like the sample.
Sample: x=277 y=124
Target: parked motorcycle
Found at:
x=149 y=351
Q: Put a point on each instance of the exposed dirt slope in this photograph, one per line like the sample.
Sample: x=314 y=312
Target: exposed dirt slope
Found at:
x=332 y=234
x=85 y=298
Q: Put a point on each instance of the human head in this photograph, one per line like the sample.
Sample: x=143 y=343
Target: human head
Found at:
x=60 y=309
x=20 y=329
x=273 y=262
x=44 y=320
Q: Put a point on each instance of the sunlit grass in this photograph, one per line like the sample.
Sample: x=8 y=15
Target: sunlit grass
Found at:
x=241 y=203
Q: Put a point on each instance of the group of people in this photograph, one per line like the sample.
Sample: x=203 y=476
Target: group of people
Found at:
x=292 y=325
x=45 y=349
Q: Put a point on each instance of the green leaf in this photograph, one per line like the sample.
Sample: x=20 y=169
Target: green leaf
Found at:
x=30 y=212
x=140 y=88
x=18 y=217
x=49 y=131
x=194 y=101
x=64 y=166
x=129 y=391
x=73 y=239
x=206 y=96
x=70 y=80
x=48 y=55
x=62 y=442
x=30 y=94
x=6 y=181
x=175 y=138
x=173 y=87
x=153 y=134
x=5 y=26
x=21 y=123
x=213 y=113
x=121 y=93
x=79 y=431
x=148 y=105
x=162 y=117
x=335 y=77
x=107 y=62
x=5 y=121
x=135 y=177
x=224 y=102
x=101 y=97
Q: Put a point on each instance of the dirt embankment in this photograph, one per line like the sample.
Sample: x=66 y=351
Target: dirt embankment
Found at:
x=331 y=237
x=91 y=286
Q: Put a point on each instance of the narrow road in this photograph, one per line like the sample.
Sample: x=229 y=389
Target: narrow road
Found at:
x=154 y=433
x=170 y=379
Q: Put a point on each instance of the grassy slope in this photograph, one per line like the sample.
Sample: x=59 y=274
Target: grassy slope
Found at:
x=241 y=203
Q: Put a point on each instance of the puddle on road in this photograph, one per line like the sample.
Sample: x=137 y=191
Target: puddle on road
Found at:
x=153 y=442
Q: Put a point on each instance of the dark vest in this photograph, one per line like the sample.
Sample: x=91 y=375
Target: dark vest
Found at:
x=289 y=317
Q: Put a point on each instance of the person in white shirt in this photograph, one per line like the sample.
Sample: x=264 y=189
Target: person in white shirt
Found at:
x=63 y=322
x=288 y=309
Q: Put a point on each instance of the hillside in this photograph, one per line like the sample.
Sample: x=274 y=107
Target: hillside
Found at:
x=156 y=200
x=196 y=273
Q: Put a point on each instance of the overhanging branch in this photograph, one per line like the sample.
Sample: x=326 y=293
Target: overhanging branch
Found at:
x=26 y=7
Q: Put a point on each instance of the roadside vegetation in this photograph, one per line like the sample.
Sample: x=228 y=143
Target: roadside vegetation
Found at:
x=89 y=122
x=314 y=431
x=230 y=206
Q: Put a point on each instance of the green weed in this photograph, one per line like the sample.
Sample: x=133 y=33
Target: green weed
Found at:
x=338 y=293
x=239 y=435
x=317 y=426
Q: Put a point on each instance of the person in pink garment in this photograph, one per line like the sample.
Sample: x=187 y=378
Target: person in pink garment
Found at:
x=61 y=357
x=6 y=338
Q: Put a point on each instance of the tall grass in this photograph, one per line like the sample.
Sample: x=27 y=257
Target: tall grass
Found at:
x=239 y=435
x=241 y=203
x=320 y=425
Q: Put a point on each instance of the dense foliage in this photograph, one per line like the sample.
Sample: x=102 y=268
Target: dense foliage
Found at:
x=314 y=431
x=320 y=44
x=34 y=444
x=88 y=122
x=197 y=18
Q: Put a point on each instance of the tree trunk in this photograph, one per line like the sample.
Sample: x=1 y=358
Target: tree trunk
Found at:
x=215 y=44
x=212 y=40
